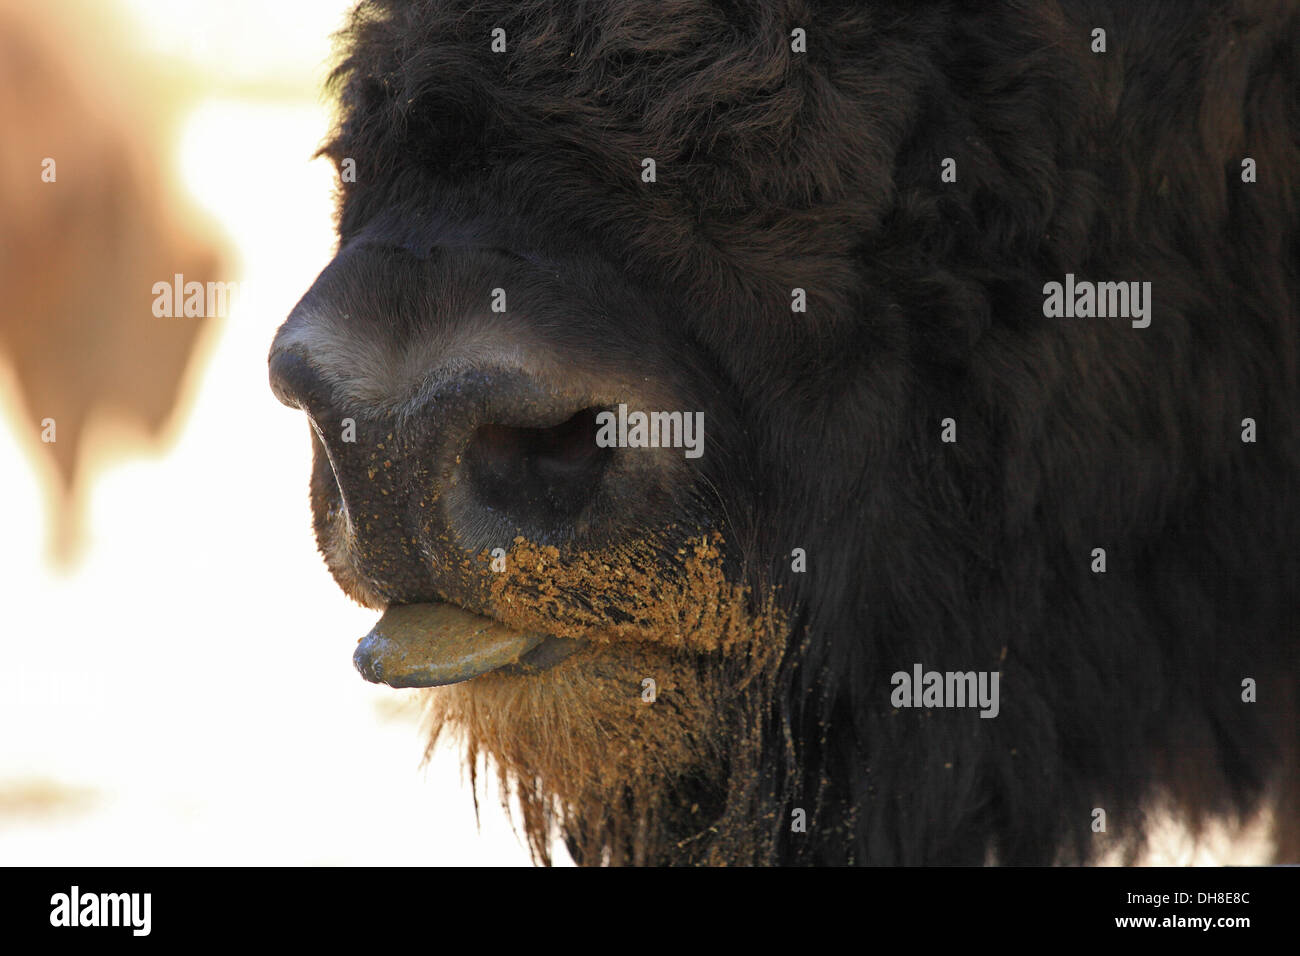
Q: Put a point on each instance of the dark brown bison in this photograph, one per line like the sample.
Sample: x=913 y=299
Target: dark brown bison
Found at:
x=823 y=432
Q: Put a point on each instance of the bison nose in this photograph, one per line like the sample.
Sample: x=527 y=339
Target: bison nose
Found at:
x=295 y=381
x=486 y=454
x=444 y=430
x=544 y=476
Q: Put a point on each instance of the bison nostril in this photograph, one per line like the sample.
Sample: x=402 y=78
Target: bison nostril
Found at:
x=540 y=475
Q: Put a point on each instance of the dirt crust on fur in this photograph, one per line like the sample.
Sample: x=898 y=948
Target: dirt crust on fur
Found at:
x=635 y=737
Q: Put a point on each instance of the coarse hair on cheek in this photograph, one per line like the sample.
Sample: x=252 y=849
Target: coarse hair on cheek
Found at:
x=585 y=746
x=625 y=775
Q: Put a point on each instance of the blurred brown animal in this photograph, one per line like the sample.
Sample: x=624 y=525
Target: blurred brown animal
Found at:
x=79 y=255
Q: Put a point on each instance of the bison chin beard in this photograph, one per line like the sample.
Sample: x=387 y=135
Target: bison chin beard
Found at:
x=582 y=752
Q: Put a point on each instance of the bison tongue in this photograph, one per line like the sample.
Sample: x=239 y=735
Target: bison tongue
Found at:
x=427 y=645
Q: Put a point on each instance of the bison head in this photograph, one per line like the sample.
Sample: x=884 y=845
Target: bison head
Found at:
x=677 y=642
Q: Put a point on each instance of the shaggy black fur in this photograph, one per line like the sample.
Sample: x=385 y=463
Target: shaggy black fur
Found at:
x=821 y=171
